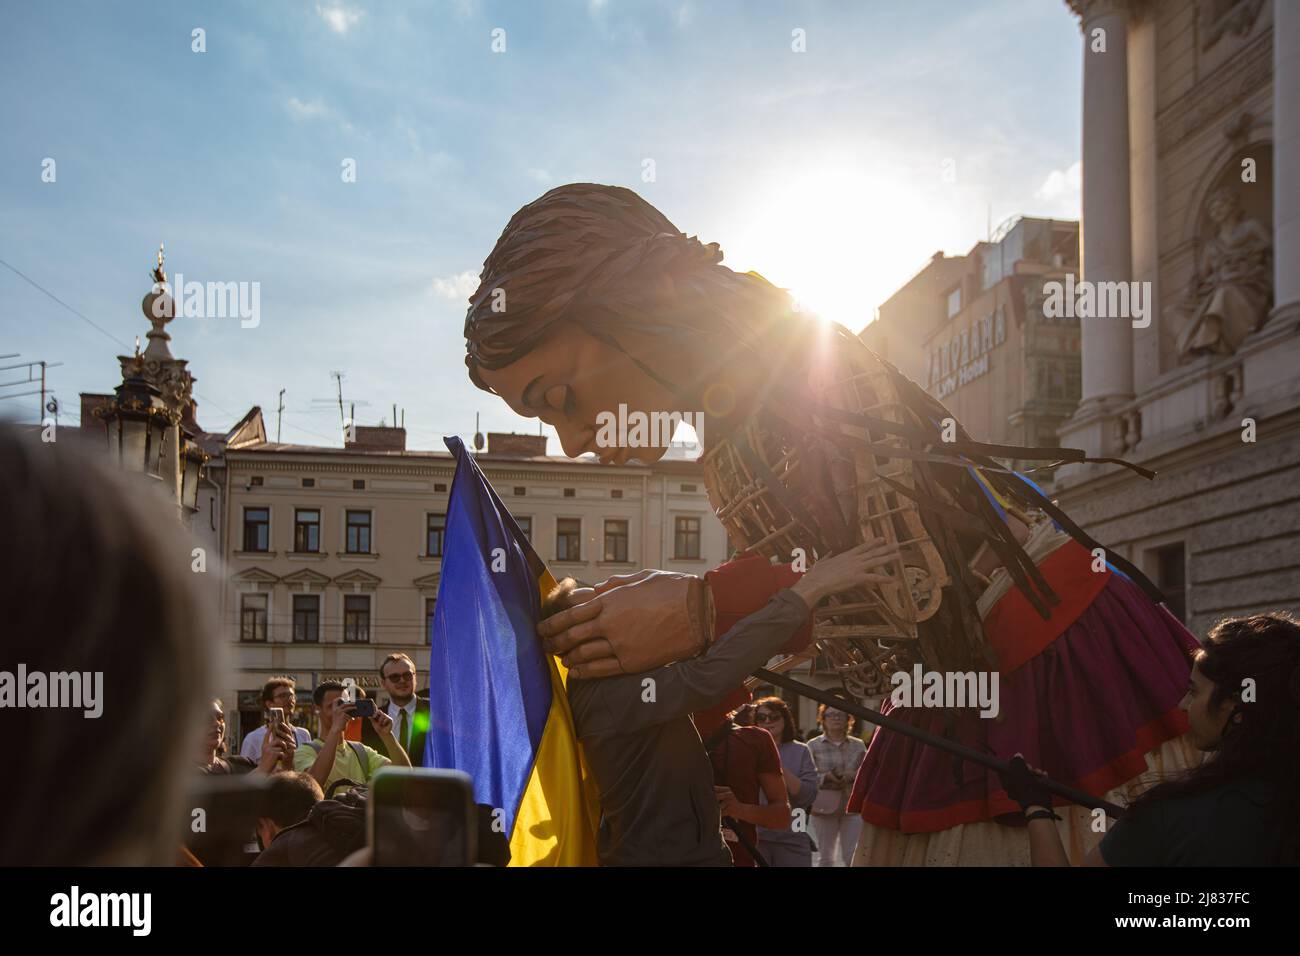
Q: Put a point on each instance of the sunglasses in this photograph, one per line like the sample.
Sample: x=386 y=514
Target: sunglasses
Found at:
x=400 y=677
x=766 y=718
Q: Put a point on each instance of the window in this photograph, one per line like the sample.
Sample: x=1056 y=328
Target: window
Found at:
x=440 y=486
x=358 y=537
x=309 y=482
x=570 y=493
x=255 y=481
x=686 y=538
x=358 y=484
x=616 y=492
x=615 y=540
x=257 y=529
x=1171 y=578
x=568 y=539
x=356 y=618
x=252 y=617
x=520 y=491
x=306 y=618
x=306 y=530
x=435 y=529
x=526 y=526
x=954 y=302
x=429 y=607
x=689 y=488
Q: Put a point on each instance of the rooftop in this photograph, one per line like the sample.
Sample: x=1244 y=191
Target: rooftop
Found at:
x=667 y=466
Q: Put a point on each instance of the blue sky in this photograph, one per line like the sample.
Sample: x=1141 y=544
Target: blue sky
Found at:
x=835 y=172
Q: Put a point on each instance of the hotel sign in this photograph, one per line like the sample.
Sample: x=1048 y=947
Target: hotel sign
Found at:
x=368 y=681
x=964 y=357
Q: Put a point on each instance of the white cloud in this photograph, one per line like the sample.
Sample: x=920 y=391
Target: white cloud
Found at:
x=459 y=287
x=315 y=109
x=339 y=18
x=683 y=15
x=1063 y=187
x=303 y=110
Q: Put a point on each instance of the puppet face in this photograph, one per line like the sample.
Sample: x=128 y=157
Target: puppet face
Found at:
x=574 y=382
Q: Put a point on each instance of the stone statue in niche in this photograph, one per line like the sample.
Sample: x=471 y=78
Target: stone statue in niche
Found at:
x=1220 y=17
x=1229 y=296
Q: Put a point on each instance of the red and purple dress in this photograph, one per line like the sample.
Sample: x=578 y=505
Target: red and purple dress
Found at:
x=1090 y=695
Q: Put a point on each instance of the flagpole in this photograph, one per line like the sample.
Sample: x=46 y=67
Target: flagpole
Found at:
x=934 y=740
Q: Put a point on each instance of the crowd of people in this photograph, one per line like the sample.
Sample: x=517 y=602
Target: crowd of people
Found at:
x=787 y=796
x=676 y=789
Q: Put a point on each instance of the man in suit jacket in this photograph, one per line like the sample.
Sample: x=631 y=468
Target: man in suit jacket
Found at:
x=408 y=708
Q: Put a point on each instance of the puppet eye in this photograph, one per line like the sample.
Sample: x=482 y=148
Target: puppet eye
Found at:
x=560 y=399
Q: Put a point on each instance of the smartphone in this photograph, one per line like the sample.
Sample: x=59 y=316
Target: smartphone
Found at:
x=419 y=816
x=275 y=718
x=364 y=708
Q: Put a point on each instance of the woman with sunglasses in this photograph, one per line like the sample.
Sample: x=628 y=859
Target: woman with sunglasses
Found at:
x=791 y=846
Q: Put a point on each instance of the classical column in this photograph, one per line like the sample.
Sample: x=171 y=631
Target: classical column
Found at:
x=1286 y=158
x=1107 y=343
x=1145 y=191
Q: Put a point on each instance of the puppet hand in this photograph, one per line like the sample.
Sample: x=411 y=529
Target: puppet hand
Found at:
x=632 y=623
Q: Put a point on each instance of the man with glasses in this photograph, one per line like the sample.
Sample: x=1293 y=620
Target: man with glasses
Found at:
x=277 y=692
x=407 y=708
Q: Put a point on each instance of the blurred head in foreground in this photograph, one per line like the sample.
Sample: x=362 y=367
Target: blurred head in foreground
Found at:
x=107 y=643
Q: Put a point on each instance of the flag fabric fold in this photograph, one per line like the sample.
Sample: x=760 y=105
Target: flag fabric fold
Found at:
x=497 y=705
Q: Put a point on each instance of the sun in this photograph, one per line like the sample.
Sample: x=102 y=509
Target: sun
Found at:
x=841 y=238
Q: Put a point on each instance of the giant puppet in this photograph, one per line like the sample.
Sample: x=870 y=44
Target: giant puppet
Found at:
x=593 y=302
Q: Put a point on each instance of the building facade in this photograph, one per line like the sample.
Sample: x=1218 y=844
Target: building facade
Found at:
x=1191 y=186
x=972 y=330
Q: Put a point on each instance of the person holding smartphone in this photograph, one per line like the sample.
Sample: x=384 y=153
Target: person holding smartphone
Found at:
x=331 y=757
x=278 y=694
x=837 y=756
x=212 y=759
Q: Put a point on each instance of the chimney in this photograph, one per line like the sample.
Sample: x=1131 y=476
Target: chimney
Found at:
x=519 y=446
x=378 y=438
x=89 y=402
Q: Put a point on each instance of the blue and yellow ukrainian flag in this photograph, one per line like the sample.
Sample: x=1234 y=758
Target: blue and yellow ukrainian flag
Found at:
x=497 y=706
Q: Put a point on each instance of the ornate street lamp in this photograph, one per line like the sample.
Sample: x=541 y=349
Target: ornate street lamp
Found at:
x=192 y=461
x=136 y=426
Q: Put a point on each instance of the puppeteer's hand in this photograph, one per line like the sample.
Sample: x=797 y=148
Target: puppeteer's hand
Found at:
x=631 y=623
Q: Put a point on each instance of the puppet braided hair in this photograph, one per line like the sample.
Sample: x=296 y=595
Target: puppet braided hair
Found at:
x=603 y=257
